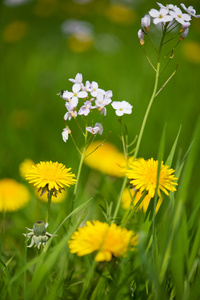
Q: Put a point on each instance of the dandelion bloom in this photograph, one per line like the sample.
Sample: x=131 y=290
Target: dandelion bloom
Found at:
x=108 y=240
x=50 y=177
x=132 y=197
x=13 y=195
x=105 y=158
x=143 y=176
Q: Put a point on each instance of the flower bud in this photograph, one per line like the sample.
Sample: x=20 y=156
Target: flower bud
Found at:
x=141 y=36
x=145 y=22
x=184 y=34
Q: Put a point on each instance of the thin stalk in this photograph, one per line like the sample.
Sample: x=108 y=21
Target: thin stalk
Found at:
x=79 y=171
x=48 y=207
x=147 y=111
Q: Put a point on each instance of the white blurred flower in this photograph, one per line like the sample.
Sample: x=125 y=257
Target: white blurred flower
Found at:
x=179 y=16
x=160 y=16
x=145 y=22
x=190 y=10
x=85 y=109
x=122 y=107
x=65 y=134
x=73 y=26
x=98 y=128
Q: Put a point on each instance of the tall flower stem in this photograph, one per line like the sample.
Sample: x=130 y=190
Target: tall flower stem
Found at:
x=157 y=73
x=79 y=171
x=148 y=110
x=48 y=206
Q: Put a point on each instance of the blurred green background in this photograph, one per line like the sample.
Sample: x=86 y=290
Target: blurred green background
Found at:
x=40 y=52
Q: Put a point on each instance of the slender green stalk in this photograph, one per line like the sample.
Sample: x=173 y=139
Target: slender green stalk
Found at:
x=79 y=171
x=48 y=207
x=148 y=110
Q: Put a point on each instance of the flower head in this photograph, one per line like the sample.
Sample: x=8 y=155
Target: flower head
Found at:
x=141 y=36
x=160 y=16
x=122 y=107
x=50 y=177
x=143 y=176
x=179 y=16
x=13 y=195
x=38 y=235
x=190 y=10
x=145 y=22
x=65 y=133
x=108 y=240
x=98 y=128
x=131 y=197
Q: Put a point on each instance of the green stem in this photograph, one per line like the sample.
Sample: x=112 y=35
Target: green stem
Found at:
x=48 y=207
x=79 y=172
x=147 y=111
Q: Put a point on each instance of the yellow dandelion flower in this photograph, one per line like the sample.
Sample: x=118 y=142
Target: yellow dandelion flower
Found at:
x=106 y=159
x=108 y=240
x=13 y=195
x=49 y=176
x=128 y=195
x=143 y=176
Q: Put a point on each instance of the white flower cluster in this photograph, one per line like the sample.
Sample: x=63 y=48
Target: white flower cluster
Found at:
x=169 y=16
x=93 y=98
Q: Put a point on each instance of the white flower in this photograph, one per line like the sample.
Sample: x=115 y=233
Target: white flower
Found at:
x=75 y=94
x=94 y=89
x=102 y=100
x=179 y=16
x=145 y=22
x=168 y=6
x=85 y=109
x=65 y=134
x=70 y=114
x=122 y=107
x=98 y=128
x=184 y=34
x=190 y=10
x=141 y=36
x=86 y=87
x=160 y=15
x=78 y=79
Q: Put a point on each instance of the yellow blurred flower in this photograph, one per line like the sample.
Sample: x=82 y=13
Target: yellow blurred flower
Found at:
x=80 y=42
x=13 y=195
x=143 y=176
x=121 y=13
x=25 y=166
x=50 y=177
x=130 y=194
x=191 y=50
x=15 y=31
x=106 y=159
x=108 y=240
